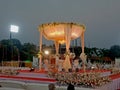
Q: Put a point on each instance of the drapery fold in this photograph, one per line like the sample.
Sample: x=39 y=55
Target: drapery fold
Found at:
x=67 y=30
x=83 y=56
x=82 y=41
x=57 y=47
x=57 y=51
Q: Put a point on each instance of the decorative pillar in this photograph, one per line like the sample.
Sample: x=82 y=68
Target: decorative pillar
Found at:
x=67 y=30
x=82 y=55
x=40 y=54
x=82 y=42
x=57 y=51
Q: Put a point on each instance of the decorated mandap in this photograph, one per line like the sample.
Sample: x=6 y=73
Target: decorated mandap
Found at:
x=102 y=78
x=62 y=33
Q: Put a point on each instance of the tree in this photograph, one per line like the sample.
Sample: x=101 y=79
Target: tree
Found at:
x=104 y=52
x=5 y=50
x=28 y=51
x=10 y=49
x=17 y=43
x=115 y=51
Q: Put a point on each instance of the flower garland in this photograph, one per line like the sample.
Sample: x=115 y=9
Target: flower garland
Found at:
x=67 y=53
x=61 y=23
x=40 y=54
x=86 y=80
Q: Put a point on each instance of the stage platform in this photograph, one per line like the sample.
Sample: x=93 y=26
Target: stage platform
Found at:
x=36 y=80
x=41 y=76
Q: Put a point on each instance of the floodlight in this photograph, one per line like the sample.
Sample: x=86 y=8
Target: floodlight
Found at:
x=14 y=28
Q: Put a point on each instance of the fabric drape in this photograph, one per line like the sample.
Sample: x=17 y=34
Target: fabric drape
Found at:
x=57 y=51
x=67 y=64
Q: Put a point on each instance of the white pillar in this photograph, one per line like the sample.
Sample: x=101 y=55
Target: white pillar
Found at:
x=57 y=51
x=82 y=55
x=40 y=56
x=67 y=30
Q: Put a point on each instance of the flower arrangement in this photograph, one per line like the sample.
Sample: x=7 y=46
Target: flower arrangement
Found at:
x=72 y=55
x=61 y=23
x=67 y=53
x=40 y=54
x=85 y=80
x=115 y=70
x=9 y=71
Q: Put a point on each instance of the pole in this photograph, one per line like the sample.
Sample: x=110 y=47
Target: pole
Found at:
x=13 y=28
x=18 y=57
x=3 y=56
x=11 y=49
x=10 y=35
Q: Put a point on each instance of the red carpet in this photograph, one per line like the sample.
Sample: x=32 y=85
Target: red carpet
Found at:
x=115 y=76
x=28 y=78
x=27 y=75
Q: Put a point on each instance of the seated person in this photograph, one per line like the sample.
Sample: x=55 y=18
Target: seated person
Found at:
x=70 y=87
x=51 y=86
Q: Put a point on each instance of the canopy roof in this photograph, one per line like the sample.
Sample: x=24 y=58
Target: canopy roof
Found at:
x=56 y=31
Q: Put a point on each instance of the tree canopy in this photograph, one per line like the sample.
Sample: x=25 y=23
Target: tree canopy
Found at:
x=115 y=51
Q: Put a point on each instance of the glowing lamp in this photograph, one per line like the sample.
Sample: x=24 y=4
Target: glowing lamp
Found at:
x=14 y=28
x=56 y=31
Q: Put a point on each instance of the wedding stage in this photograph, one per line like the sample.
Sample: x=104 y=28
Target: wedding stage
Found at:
x=40 y=76
x=59 y=69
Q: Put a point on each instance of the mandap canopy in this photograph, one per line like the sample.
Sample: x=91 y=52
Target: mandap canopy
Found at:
x=62 y=33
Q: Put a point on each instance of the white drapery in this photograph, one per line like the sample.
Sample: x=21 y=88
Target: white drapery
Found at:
x=57 y=47
x=82 y=55
x=57 y=51
x=82 y=41
x=67 y=30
